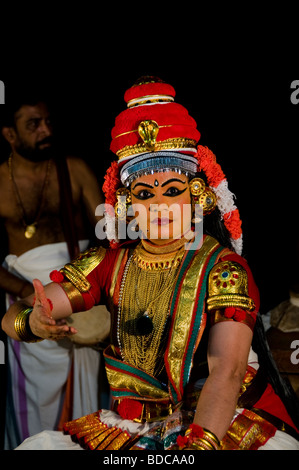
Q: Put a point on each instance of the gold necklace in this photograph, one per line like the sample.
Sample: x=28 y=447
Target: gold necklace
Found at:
x=143 y=314
x=30 y=229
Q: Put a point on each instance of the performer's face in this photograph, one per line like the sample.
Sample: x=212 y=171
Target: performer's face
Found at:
x=166 y=204
x=33 y=133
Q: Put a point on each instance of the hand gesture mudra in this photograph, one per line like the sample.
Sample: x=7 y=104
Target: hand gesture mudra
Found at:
x=41 y=321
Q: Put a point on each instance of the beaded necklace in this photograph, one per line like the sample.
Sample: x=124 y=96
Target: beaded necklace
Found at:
x=143 y=307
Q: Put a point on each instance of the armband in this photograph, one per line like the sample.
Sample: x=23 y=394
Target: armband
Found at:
x=77 y=271
x=228 y=287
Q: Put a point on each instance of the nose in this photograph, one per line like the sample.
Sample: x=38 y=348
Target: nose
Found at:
x=156 y=207
x=45 y=128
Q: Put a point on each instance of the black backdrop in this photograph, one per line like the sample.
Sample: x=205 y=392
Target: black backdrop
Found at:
x=246 y=118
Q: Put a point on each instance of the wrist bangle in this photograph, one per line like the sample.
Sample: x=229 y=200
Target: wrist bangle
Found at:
x=22 y=327
x=198 y=438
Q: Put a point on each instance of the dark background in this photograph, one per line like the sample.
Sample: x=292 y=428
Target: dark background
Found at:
x=232 y=72
x=245 y=117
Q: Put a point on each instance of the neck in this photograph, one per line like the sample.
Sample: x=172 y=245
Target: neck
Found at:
x=170 y=244
x=20 y=162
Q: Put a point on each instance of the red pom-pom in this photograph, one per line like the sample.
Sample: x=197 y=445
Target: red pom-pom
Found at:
x=240 y=315
x=56 y=276
x=236 y=313
x=129 y=409
x=182 y=441
x=197 y=430
x=229 y=312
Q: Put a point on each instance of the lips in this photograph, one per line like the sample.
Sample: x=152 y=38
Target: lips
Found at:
x=161 y=221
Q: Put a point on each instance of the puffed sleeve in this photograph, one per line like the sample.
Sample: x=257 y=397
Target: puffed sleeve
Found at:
x=232 y=292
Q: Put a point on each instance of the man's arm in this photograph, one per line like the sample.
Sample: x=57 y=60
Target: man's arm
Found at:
x=14 y=285
x=90 y=187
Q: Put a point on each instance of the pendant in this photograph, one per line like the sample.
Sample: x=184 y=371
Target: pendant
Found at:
x=144 y=325
x=30 y=231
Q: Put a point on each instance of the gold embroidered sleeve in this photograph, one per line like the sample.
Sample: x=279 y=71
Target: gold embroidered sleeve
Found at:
x=77 y=271
x=228 y=287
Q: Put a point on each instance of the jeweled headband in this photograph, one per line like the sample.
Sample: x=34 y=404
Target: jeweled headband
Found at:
x=155 y=162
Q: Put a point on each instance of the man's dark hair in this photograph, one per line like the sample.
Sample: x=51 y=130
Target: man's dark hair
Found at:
x=17 y=96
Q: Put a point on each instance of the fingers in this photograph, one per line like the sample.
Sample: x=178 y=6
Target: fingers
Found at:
x=39 y=291
x=41 y=321
x=56 y=333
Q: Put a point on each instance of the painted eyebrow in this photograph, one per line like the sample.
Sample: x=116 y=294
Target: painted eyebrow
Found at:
x=143 y=184
x=171 y=181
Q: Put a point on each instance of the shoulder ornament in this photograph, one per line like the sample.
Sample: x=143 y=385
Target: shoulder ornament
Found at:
x=228 y=287
x=77 y=271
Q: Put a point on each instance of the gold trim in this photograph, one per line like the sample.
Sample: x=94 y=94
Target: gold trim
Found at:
x=230 y=300
x=76 y=278
x=74 y=296
x=136 y=130
x=185 y=309
x=168 y=144
x=77 y=271
x=122 y=380
x=158 y=261
x=149 y=99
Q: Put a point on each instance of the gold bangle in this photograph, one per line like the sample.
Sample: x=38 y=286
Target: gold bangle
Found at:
x=202 y=442
x=22 y=327
x=210 y=436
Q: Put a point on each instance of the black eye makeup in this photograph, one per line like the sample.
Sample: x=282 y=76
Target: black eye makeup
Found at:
x=143 y=194
x=173 y=191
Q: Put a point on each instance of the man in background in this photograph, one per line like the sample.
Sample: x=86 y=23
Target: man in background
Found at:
x=44 y=222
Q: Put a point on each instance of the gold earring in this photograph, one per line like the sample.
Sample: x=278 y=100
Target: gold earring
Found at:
x=124 y=199
x=202 y=195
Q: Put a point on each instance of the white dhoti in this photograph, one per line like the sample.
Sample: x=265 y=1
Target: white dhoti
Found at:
x=38 y=372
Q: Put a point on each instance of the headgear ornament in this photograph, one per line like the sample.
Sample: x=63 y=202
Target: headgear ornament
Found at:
x=156 y=134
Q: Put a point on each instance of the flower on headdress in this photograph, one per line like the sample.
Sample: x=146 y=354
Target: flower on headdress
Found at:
x=225 y=198
x=207 y=163
x=111 y=184
x=233 y=223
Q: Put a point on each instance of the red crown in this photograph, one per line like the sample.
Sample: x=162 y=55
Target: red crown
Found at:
x=150 y=104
